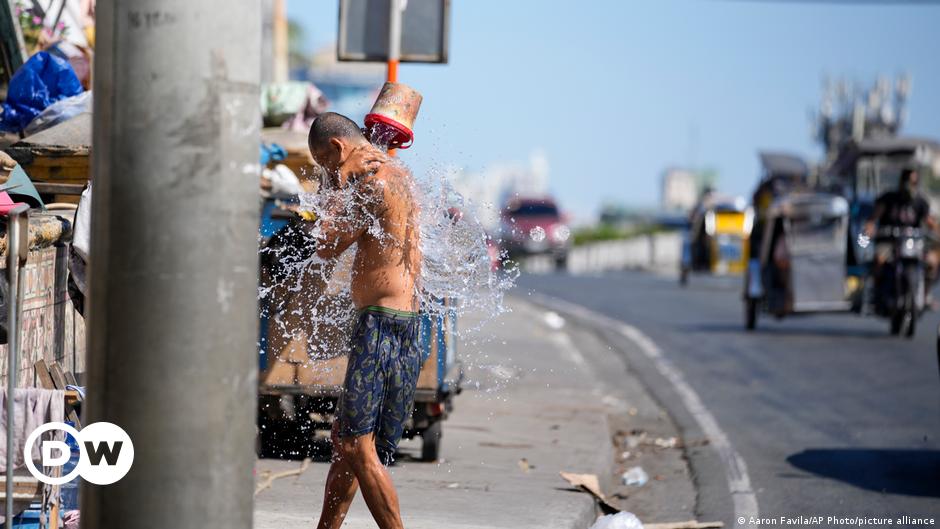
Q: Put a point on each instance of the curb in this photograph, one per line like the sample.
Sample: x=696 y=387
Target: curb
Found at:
x=713 y=501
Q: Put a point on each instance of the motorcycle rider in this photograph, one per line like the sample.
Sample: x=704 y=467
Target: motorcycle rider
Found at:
x=903 y=207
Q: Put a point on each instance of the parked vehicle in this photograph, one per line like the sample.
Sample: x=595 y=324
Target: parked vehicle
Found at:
x=716 y=240
x=301 y=361
x=302 y=365
x=535 y=226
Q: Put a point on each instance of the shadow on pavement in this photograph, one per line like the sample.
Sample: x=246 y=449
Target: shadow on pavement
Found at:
x=893 y=471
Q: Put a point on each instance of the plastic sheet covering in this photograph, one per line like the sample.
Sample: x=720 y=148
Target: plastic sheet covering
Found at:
x=60 y=111
x=43 y=80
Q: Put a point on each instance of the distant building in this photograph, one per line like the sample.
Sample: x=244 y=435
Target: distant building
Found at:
x=680 y=189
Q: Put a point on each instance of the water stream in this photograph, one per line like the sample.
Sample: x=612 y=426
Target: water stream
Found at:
x=308 y=298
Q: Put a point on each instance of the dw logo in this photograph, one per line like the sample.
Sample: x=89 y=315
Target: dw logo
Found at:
x=106 y=453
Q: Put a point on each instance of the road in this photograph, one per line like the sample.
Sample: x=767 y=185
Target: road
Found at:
x=831 y=415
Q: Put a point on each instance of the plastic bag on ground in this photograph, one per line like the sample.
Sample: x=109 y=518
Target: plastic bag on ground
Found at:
x=621 y=520
x=636 y=477
x=62 y=110
x=41 y=81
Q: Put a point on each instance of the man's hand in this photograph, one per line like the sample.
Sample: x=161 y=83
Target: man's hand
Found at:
x=363 y=161
x=875 y=216
x=345 y=217
x=932 y=224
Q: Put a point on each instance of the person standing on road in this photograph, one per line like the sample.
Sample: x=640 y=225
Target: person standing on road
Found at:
x=376 y=210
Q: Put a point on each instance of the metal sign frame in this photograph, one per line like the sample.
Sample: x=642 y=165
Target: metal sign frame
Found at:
x=344 y=54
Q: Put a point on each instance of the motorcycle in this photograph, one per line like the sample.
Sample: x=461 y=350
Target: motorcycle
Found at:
x=899 y=287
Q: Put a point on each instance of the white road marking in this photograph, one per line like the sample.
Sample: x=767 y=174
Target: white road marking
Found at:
x=739 y=482
x=572 y=353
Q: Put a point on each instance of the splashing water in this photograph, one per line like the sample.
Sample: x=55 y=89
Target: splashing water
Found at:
x=457 y=265
x=308 y=306
x=308 y=299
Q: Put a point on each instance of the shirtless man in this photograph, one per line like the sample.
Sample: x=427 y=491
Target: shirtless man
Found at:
x=384 y=357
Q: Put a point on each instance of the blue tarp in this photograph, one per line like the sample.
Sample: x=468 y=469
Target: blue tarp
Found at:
x=43 y=80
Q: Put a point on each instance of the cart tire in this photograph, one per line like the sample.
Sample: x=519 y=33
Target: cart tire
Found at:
x=750 y=314
x=431 y=442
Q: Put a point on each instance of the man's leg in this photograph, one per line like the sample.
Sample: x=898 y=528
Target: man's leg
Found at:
x=376 y=483
x=341 y=486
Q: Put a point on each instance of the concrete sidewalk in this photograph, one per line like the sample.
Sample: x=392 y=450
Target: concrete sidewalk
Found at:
x=534 y=405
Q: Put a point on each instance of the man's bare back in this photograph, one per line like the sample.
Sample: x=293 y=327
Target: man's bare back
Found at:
x=384 y=225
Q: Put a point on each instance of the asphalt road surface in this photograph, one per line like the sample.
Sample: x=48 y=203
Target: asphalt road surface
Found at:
x=831 y=414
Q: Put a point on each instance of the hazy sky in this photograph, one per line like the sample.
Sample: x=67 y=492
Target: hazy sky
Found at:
x=615 y=91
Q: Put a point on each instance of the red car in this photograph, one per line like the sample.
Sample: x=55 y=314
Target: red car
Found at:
x=535 y=226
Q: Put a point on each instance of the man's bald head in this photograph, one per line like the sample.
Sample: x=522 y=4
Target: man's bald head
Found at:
x=332 y=137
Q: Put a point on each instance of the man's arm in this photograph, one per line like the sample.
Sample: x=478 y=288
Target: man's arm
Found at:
x=336 y=235
x=875 y=215
x=932 y=224
x=345 y=221
x=928 y=218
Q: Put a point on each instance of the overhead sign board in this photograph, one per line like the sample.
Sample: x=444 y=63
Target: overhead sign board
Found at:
x=363 y=30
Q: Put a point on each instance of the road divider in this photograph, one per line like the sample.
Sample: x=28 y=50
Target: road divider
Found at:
x=658 y=251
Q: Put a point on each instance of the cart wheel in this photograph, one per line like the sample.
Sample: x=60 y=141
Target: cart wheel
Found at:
x=750 y=314
x=431 y=441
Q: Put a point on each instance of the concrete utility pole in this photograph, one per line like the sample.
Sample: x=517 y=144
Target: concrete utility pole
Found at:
x=173 y=317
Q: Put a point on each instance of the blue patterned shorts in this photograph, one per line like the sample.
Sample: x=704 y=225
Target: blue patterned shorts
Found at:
x=381 y=376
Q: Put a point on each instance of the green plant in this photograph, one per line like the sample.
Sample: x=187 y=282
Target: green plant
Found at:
x=608 y=232
x=35 y=32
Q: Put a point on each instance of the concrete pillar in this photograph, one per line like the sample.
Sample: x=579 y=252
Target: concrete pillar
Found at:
x=173 y=305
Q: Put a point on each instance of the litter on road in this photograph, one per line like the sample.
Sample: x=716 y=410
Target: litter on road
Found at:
x=621 y=520
x=635 y=476
x=269 y=479
x=590 y=484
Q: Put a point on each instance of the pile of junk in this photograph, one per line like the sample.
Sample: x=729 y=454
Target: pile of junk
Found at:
x=45 y=127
